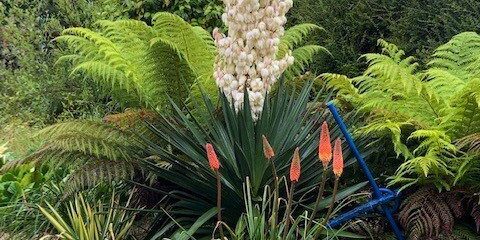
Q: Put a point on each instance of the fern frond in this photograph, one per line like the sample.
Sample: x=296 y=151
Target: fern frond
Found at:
x=303 y=57
x=342 y=84
x=97 y=172
x=437 y=106
x=171 y=70
x=425 y=214
x=432 y=142
x=94 y=151
x=389 y=128
x=295 y=36
x=140 y=63
x=206 y=36
x=471 y=143
x=191 y=42
x=92 y=128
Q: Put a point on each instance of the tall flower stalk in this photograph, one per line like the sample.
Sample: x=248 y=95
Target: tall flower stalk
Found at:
x=295 y=170
x=337 y=171
x=269 y=154
x=246 y=59
x=215 y=166
x=325 y=156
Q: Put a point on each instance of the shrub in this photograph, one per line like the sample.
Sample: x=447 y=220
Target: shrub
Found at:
x=139 y=65
x=32 y=90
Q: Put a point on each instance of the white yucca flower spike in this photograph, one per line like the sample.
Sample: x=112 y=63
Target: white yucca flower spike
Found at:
x=246 y=55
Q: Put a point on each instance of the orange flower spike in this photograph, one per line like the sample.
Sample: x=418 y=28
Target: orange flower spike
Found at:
x=267 y=149
x=325 y=146
x=337 y=158
x=212 y=157
x=295 y=166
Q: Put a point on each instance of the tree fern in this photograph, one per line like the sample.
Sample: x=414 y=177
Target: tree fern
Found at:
x=142 y=64
x=423 y=111
x=96 y=152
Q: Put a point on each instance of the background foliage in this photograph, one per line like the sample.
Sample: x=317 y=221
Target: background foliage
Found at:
x=353 y=27
x=35 y=91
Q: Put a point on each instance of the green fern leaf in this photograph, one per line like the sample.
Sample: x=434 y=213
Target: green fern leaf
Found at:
x=303 y=57
x=295 y=36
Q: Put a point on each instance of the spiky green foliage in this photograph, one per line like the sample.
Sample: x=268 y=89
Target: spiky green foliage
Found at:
x=141 y=64
x=255 y=221
x=422 y=111
x=83 y=221
x=286 y=121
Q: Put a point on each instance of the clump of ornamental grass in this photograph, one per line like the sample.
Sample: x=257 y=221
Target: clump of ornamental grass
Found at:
x=283 y=228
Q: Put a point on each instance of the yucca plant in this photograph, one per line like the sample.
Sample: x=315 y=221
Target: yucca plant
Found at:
x=287 y=120
x=423 y=112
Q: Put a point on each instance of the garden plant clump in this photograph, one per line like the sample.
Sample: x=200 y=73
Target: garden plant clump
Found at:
x=209 y=119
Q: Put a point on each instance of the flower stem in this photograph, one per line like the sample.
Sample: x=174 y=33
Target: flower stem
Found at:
x=330 y=209
x=275 y=196
x=219 y=205
x=319 y=198
x=289 y=209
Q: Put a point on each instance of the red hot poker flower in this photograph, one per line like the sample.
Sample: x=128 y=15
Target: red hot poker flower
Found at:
x=325 y=146
x=337 y=158
x=295 y=166
x=267 y=149
x=212 y=157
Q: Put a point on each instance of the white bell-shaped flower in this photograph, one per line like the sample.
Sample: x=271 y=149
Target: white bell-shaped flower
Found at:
x=246 y=56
